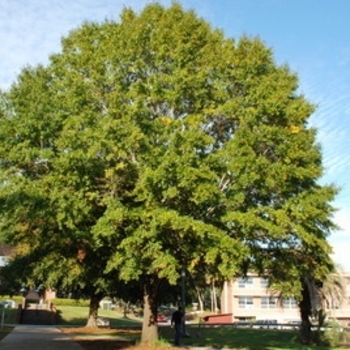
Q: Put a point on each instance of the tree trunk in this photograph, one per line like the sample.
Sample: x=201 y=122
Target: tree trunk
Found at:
x=125 y=308
x=200 y=300
x=305 y=307
x=215 y=300
x=93 y=311
x=149 y=325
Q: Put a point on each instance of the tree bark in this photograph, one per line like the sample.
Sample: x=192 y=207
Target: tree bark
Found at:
x=93 y=311
x=149 y=325
x=305 y=307
x=125 y=309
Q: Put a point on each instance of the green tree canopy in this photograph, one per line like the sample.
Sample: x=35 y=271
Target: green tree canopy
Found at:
x=155 y=144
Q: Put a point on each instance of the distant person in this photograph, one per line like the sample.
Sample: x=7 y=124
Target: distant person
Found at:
x=176 y=322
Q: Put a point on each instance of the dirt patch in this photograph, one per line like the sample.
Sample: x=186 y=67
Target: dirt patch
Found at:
x=94 y=344
x=101 y=338
x=115 y=345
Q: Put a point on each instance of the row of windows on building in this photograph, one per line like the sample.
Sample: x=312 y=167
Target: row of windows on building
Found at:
x=248 y=282
x=248 y=302
x=269 y=302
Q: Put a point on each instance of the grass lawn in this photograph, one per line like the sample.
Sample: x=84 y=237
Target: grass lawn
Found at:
x=73 y=318
x=247 y=339
x=218 y=337
x=77 y=316
x=213 y=337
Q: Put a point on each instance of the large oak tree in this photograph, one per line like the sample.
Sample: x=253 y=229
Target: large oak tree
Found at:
x=155 y=145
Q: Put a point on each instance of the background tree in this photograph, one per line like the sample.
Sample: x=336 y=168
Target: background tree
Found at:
x=154 y=146
x=332 y=291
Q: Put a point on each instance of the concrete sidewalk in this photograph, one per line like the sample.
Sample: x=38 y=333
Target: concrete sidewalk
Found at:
x=38 y=338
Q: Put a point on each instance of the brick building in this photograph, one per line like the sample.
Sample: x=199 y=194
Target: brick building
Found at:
x=250 y=298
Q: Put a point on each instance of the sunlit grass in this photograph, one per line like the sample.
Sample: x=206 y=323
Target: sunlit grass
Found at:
x=77 y=315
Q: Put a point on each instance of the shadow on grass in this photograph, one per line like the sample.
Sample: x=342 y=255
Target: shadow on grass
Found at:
x=248 y=339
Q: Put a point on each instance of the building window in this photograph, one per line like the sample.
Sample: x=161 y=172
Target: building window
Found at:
x=245 y=302
x=289 y=303
x=245 y=282
x=268 y=302
x=264 y=282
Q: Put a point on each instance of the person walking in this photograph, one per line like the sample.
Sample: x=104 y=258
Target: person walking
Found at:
x=176 y=322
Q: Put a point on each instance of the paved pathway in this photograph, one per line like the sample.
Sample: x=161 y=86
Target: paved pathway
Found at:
x=38 y=338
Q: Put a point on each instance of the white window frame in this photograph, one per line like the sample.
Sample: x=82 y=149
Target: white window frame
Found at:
x=245 y=302
x=245 y=282
x=264 y=282
x=289 y=303
x=270 y=302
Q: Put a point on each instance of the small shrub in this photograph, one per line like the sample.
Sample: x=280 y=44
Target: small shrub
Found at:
x=332 y=335
x=161 y=342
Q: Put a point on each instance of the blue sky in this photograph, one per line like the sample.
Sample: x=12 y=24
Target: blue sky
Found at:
x=311 y=36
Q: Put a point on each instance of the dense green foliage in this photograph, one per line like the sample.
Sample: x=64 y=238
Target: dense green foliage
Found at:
x=155 y=145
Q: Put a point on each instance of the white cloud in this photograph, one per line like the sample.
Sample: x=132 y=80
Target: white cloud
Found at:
x=30 y=31
x=340 y=240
